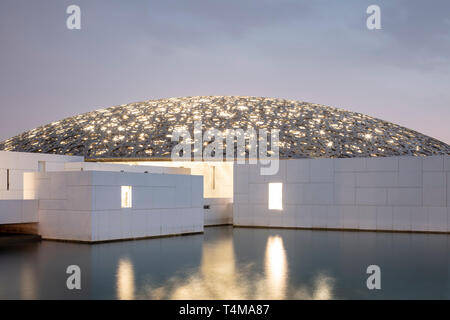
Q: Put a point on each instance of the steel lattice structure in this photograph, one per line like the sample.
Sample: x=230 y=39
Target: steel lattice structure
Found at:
x=143 y=130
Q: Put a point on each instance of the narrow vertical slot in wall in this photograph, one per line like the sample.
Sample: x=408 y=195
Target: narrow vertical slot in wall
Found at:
x=214 y=177
x=7 y=179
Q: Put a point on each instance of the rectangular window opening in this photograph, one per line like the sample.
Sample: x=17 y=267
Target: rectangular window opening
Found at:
x=7 y=179
x=276 y=196
x=126 y=196
x=214 y=177
x=41 y=166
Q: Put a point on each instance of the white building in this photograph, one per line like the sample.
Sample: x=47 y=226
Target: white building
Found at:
x=114 y=178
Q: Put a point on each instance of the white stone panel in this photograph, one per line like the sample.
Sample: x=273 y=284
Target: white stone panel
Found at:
x=437 y=219
x=334 y=217
x=382 y=164
x=409 y=164
x=49 y=226
x=434 y=197
x=105 y=197
x=304 y=216
x=3 y=179
x=16 y=180
x=18 y=211
x=280 y=175
x=197 y=192
x=384 y=218
x=371 y=196
x=344 y=195
x=275 y=218
x=241 y=174
x=81 y=178
x=163 y=197
x=143 y=198
x=241 y=198
x=289 y=219
x=183 y=193
x=30 y=209
x=320 y=217
x=350 y=165
x=433 y=163
x=410 y=178
x=367 y=217
x=154 y=223
x=259 y=215
x=401 y=218
x=48 y=204
x=434 y=179
x=298 y=171
x=350 y=217
x=376 y=179
x=447 y=163
x=255 y=174
x=322 y=170
x=259 y=193
x=317 y=193
x=404 y=196
x=345 y=179
x=419 y=219
x=292 y=193
x=448 y=189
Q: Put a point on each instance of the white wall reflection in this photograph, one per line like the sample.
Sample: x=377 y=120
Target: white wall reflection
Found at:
x=221 y=276
x=125 y=280
x=28 y=283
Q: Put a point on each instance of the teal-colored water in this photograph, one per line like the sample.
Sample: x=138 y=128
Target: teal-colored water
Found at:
x=233 y=263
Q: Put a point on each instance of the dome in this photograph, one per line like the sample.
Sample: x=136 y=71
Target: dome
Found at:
x=142 y=130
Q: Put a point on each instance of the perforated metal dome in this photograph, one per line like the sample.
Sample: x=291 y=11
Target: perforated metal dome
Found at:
x=143 y=130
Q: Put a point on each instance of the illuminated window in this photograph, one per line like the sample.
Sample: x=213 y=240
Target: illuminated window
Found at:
x=126 y=196
x=275 y=196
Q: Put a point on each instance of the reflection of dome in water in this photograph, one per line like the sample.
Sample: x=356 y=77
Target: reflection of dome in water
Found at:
x=143 y=129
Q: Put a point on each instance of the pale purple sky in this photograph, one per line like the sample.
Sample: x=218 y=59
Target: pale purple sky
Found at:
x=316 y=51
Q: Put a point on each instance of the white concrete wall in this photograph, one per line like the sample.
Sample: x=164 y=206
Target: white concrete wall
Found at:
x=102 y=166
x=86 y=205
x=394 y=193
x=220 y=211
x=20 y=162
x=217 y=183
x=18 y=211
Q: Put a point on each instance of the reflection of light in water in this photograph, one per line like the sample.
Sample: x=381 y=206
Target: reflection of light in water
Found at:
x=125 y=280
x=220 y=277
x=28 y=283
x=217 y=278
x=324 y=285
x=276 y=268
x=322 y=290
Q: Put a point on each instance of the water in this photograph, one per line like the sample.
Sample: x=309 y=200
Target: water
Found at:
x=233 y=263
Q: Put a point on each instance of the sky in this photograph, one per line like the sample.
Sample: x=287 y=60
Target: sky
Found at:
x=315 y=51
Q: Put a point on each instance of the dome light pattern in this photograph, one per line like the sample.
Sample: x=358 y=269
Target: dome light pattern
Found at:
x=143 y=130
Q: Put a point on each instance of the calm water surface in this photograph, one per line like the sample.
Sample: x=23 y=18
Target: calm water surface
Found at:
x=233 y=263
